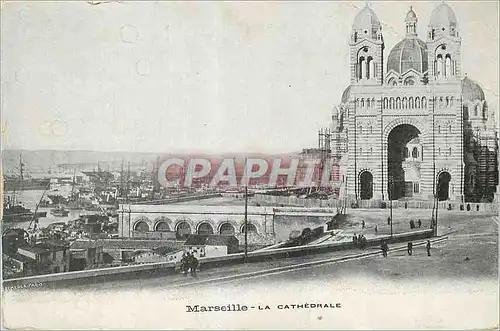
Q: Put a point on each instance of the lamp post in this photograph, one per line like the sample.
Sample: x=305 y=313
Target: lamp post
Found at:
x=390 y=200
x=246 y=212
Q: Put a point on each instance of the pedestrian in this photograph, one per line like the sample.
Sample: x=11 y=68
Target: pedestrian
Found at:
x=362 y=224
x=355 y=240
x=388 y=221
x=419 y=223
x=376 y=229
x=194 y=265
x=428 y=246
x=185 y=263
x=384 y=248
x=410 y=248
x=364 y=241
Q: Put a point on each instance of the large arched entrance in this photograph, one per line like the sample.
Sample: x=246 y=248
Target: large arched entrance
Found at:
x=399 y=137
x=366 y=185
x=443 y=189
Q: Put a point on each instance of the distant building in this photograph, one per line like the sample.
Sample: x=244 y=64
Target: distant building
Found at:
x=45 y=258
x=211 y=245
x=85 y=253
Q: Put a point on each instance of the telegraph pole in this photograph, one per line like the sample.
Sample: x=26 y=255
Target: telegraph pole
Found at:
x=246 y=211
x=246 y=222
x=390 y=200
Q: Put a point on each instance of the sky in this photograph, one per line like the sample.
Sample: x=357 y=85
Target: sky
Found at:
x=197 y=76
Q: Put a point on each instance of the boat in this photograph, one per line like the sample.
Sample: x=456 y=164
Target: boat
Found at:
x=59 y=212
x=16 y=212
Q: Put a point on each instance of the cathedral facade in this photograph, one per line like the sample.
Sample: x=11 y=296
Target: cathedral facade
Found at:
x=415 y=127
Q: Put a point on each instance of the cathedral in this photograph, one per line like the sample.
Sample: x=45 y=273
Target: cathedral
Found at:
x=412 y=125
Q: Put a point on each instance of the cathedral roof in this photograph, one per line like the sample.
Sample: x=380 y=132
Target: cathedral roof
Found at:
x=409 y=53
x=443 y=16
x=366 y=19
x=471 y=90
x=346 y=94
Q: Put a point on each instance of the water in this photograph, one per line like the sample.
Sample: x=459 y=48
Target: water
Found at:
x=29 y=199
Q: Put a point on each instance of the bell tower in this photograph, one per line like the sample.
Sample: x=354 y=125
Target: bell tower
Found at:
x=366 y=49
x=444 y=45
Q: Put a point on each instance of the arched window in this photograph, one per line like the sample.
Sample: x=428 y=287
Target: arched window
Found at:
x=362 y=67
x=373 y=102
x=406 y=153
x=451 y=102
x=447 y=102
x=370 y=68
x=398 y=103
x=386 y=103
x=449 y=151
x=449 y=128
x=441 y=102
x=371 y=151
x=405 y=103
x=410 y=103
x=368 y=101
x=360 y=151
x=447 y=69
x=439 y=150
x=417 y=102
x=391 y=103
x=424 y=102
x=439 y=69
x=439 y=128
x=414 y=153
x=362 y=103
x=476 y=109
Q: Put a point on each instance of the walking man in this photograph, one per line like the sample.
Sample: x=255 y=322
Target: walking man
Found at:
x=419 y=223
x=376 y=229
x=410 y=248
x=428 y=246
x=362 y=224
x=193 y=264
x=384 y=248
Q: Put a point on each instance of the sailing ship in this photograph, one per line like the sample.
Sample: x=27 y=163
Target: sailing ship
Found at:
x=20 y=183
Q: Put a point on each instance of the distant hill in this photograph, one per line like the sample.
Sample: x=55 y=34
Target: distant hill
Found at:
x=38 y=161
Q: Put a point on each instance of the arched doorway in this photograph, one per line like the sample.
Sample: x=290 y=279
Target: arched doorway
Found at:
x=251 y=228
x=366 y=185
x=226 y=229
x=396 y=143
x=205 y=228
x=162 y=226
x=443 y=188
x=183 y=230
x=141 y=226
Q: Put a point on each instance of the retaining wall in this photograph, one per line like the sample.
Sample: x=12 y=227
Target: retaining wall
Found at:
x=168 y=268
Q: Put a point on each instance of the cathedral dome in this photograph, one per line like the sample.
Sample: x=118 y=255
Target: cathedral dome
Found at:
x=471 y=90
x=347 y=94
x=409 y=53
x=366 y=20
x=411 y=15
x=443 y=16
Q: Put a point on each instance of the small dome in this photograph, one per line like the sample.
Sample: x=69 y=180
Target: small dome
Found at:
x=409 y=53
x=411 y=15
x=347 y=94
x=471 y=90
x=366 y=20
x=443 y=16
